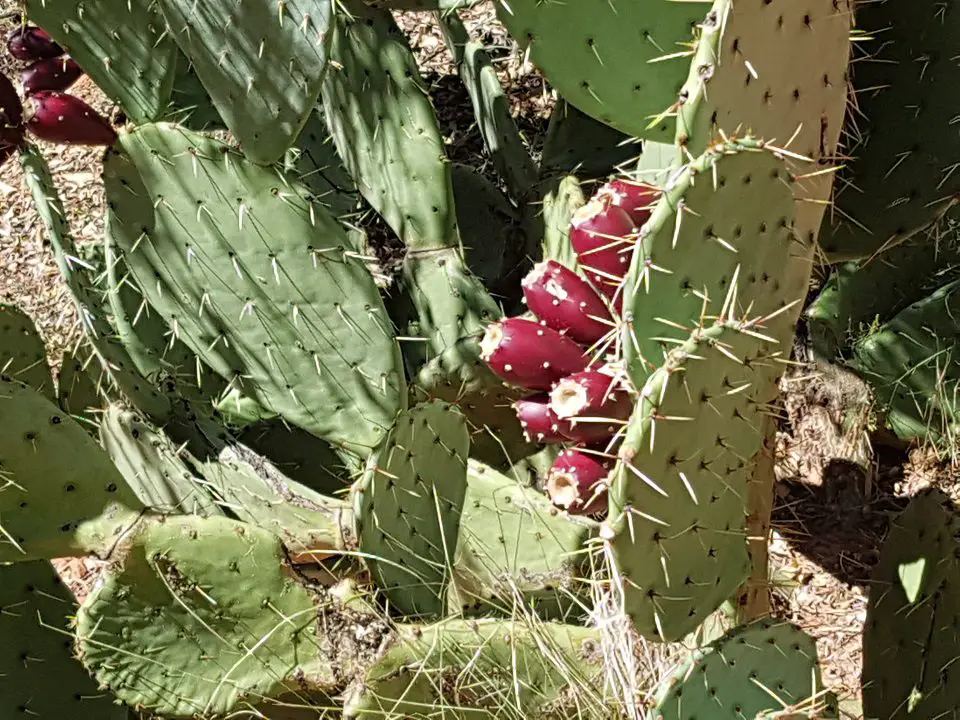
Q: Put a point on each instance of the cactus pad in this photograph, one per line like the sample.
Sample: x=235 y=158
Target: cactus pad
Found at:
x=23 y=356
x=59 y=493
x=753 y=671
x=315 y=162
x=39 y=677
x=385 y=129
x=121 y=44
x=408 y=506
x=515 y=546
x=211 y=603
x=912 y=634
x=576 y=143
x=78 y=392
x=257 y=281
x=261 y=63
x=620 y=62
x=679 y=491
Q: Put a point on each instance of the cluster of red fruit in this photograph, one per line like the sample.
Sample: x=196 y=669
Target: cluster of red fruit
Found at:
x=579 y=398
x=53 y=115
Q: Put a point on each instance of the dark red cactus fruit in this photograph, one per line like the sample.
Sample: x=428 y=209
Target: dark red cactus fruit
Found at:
x=530 y=355
x=578 y=481
x=539 y=423
x=600 y=235
x=565 y=301
x=55 y=74
x=636 y=198
x=61 y=118
x=590 y=405
x=11 y=119
x=29 y=42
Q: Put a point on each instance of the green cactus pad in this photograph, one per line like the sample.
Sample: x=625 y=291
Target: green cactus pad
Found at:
x=23 y=356
x=913 y=364
x=39 y=677
x=897 y=183
x=59 y=493
x=754 y=671
x=444 y=5
x=722 y=231
x=516 y=547
x=912 y=633
x=408 y=506
x=491 y=109
x=261 y=63
x=679 y=491
x=561 y=200
x=257 y=281
x=621 y=62
x=384 y=127
x=307 y=522
x=152 y=466
x=200 y=616
x=576 y=143
x=485 y=669
x=858 y=295
x=117 y=364
x=121 y=44
x=78 y=391
x=315 y=162
x=190 y=103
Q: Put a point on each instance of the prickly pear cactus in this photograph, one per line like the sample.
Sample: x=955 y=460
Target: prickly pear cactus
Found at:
x=78 y=390
x=753 y=671
x=23 y=356
x=257 y=280
x=912 y=634
x=39 y=677
x=60 y=495
x=408 y=506
x=261 y=63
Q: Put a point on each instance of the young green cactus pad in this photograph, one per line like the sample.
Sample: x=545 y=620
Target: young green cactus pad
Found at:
x=258 y=281
x=314 y=160
x=262 y=64
x=59 y=493
x=576 y=143
x=78 y=390
x=912 y=635
x=562 y=198
x=39 y=677
x=408 y=506
x=121 y=44
x=912 y=363
x=678 y=495
x=896 y=185
x=717 y=243
x=514 y=547
x=23 y=356
x=753 y=671
x=116 y=363
x=475 y=669
x=190 y=103
x=152 y=466
x=385 y=128
x=620 y=62
x=199 y=617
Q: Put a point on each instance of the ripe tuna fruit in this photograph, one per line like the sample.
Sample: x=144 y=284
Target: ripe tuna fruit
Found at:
x=578 y=481
x=599 y=234
x=590 y=405
x=51 y=74
x=11 y=119
x=530 y=355
x=636 y=198
x=565 y=301
x=540 y=424
x=32 y=43
x=61 y=118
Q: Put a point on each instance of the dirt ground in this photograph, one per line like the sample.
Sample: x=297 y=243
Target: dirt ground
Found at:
x=839 y=481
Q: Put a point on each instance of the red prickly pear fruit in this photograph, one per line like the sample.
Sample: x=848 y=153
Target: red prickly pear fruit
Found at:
x=565 y=301
x=29 y=42
x=578 y=481
x=11 y=119
x=599 y=234
x=584 y=400
x=61 y=118
x=55 y=74
x=530 y=355
x=636 y=198
x=539 y=423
